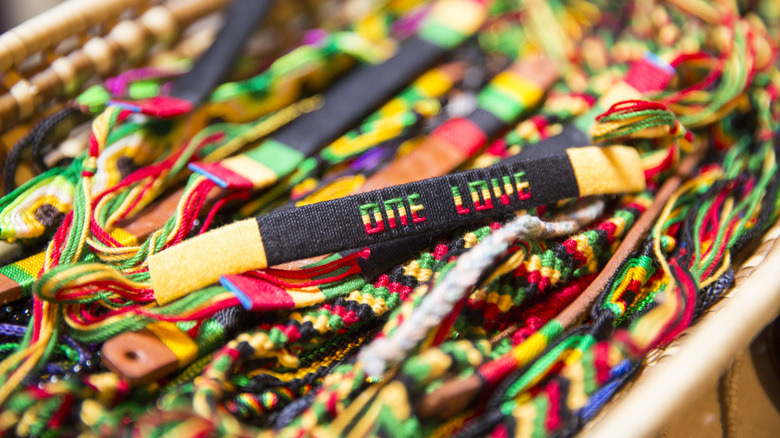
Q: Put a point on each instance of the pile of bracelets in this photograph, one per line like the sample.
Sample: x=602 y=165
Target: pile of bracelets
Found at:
x=402 y=218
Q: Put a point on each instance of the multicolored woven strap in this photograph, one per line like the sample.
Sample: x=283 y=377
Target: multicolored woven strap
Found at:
x=399 y=115
x=500 y=103
x=448 y=24
x=441 y=203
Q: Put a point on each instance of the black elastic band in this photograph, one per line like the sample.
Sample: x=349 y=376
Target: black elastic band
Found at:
x=35 y=139
x=570 y=137
x=336 y=225
x=358 y=94
x=241 y=20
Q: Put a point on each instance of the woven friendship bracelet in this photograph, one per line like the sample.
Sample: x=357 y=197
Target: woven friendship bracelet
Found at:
x=646 y=76
x=148 y=109
x=243 y=17
x=519 y=87
x=441 y=203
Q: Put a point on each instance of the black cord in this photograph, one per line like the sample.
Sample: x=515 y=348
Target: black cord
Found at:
x=36 y=140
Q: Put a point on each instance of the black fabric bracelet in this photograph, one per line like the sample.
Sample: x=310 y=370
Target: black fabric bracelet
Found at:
x=413 y=209
x=241 y=20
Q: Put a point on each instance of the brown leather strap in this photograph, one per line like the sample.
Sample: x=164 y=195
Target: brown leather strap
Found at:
x=9 y=290
x=433 y=157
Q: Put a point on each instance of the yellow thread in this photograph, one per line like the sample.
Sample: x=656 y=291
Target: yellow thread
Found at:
x=435 y=83
x=463 y=15
x=649 y=327
x=28 y=215
x=8 y=419
x=529 y=349
x=337 y=189
x=256 y=172
x=176 y=340
x=526 y=415
x=576 y=375
x=32 y=265
x=28 y=419
x=666 y=213
x=470 y=239
x=449 y=428
x=719 y=273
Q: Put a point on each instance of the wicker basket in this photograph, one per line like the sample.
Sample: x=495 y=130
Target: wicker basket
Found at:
x=53 y=57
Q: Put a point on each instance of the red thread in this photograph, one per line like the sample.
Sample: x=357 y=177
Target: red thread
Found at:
x=462 y=133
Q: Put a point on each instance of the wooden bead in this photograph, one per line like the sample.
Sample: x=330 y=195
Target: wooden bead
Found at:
x=48 y=86
x=161 y=23
x=184 y=13
x=24 y=92
x=6 y=58
x=15 y=47
x=67 y=74
x=33 y=39
x=131 y=37
x=99 y=52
